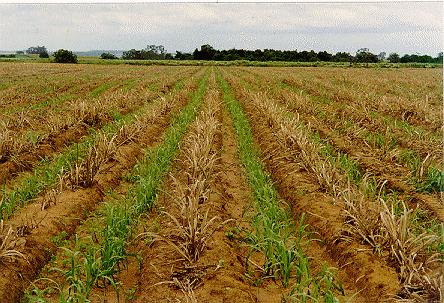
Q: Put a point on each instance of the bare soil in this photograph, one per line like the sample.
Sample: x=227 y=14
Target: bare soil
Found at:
x=71 y=207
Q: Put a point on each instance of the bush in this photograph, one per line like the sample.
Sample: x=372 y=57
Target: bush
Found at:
x=107 y=56
x=44 y=55
x=64 y=56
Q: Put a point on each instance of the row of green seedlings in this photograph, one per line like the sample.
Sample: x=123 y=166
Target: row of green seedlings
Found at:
x=44 y=97
x=96 y=260
x=425 y=173
x=274 y=233
x=82 y=171
x=396 y=106
x=192 y=225
x=82 y=158
x=369 y=215
x=90 y=113
x=425 y=176
x=11 y=144
x=358 y=100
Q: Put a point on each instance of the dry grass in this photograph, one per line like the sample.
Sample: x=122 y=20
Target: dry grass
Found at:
x=6 y=145
x=192 y=226
x=83 y=173
x=361 y=220
x=375 y=222
x=88 y=113
x=367 y=216
x=294 y=138
x=131 y=132
x=9 y=242
x=409 y=251
x=191 y=223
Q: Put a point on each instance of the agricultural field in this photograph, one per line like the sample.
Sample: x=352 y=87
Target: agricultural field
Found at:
x=127 y=183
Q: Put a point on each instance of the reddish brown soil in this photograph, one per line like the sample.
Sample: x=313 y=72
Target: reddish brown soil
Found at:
x=70 y=209
x=384 y=170
x=358 y=267
x=369 y=159
x=149 y=281
x=230 y=199
x=56 y=142
x=338 y=109
x=375 y=89
x=53 y=144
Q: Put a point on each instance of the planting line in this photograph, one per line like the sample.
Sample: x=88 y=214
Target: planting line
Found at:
x=290 y=94
x=20 y=161
x=274 y=233
x=337 y=154
x=58 y=221
x=119 y=217
x=357 y=206
x=49 y=172
x=187 y=221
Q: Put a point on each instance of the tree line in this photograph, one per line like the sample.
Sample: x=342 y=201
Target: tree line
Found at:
x=363 y=55
x=207 y=52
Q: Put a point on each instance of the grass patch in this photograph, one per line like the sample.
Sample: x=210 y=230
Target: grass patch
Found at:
x=49 y=172
x=95 y=262
x=101 y=89
x=274 y=233
x=433 y=181
x=129 y=85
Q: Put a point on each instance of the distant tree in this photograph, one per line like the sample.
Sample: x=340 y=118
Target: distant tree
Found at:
x=363 y=55
x=158 y=50
x=406 y=58
x=36 y=50
x=183 y=56
x=417 y=58
x=44 y=54
x=169 y=56
x=324 y=56
x=151 y=52
x=342 y=57
x=132 y=54
x=107 y=56
x=438 y=59
x=20 y=52
x=64 y=56
x=381 y=56
x=393 y=58
x=206 y=52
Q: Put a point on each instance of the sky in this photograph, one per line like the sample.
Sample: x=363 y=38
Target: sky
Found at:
x=402 y=27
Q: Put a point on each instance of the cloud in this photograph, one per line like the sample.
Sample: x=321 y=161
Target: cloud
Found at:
x=401 y=26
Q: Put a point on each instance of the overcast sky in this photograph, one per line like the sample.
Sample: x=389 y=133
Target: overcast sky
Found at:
x=403 y=27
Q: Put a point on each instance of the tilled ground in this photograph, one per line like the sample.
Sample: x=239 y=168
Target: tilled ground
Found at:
x=358 y=267
x=40 y=224
x=227 y=270
x=371 y=159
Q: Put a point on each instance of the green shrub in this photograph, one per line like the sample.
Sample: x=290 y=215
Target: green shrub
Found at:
x=107 y=56
x=44 y=54
x=64 y=56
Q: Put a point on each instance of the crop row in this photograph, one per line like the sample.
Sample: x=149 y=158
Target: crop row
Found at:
x=274 y=233
x=345 y=111
x=421 y=165
x=71 y=205
x=366 y=213
x=50 y=171
x=415 y=98
x=115 y=220
x=21 y=151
